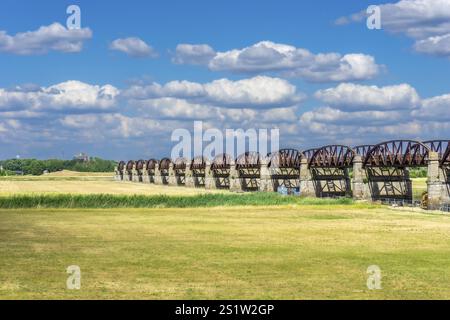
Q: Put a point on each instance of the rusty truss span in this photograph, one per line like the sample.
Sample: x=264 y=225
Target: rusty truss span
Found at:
x=370 y=172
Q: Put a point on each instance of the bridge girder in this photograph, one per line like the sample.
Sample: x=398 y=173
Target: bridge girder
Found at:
x=121 y=165
x=151 y=164
x=164 y=164
x=221 y=161
x=180 y=164
x=397 y=153
x=198 y=163
x=362 y=150
x=332 y=156
x=285 y=158
x=248 y=160
x=441 y=147
x=130 y=165
x=140 y=164
x=307 y=154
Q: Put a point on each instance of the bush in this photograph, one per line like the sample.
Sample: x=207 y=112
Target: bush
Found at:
x=4 y=173
x=418 y=172
x=37 y=167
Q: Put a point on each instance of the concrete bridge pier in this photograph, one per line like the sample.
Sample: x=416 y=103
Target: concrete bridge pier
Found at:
x=135 y=174
x=360 y=187
x=117 y=175
x=306 y=181
x=189 y=180
x=172 y=179
x=159 y=179
x=265 y=183
x=437 y=183
x=151 y=176
x=145 y=176
x=235 y=180
x=126 y=175
x=210 y=180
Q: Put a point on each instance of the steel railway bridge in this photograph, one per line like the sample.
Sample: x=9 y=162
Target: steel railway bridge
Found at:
x=370 y=172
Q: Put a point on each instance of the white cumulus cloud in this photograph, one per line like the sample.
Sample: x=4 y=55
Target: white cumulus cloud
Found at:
x=353 y=97
x=425 y=21
x=77 y=113
x=66 y=96
x=133 y=47
x=343 y=118
x=270 y=57
x=434 y=109
x=371 y=114
x=260 y=92
x=193 y=54
x=439 y=45
x=54 y=37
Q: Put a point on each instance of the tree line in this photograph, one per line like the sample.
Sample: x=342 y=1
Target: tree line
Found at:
x=37 y=167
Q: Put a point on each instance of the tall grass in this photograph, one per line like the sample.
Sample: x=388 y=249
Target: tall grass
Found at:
x=159 y=201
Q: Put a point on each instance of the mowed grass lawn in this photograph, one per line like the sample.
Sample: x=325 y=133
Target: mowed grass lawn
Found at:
x=289 y=252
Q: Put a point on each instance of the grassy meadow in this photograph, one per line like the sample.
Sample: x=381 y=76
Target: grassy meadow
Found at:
x=67 y=182
x=136 y=241
x=102 y=201
x=285 y=252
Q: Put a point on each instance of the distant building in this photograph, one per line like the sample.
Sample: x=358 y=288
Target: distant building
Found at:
x=82 y=157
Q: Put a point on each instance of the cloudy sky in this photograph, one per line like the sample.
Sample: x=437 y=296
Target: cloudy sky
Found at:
x=136 y=70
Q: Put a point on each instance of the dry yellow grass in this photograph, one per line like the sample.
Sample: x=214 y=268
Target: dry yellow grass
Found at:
x=283 y=252
x=224 y=253
x=9 y=187
x=68 y=173
x=103 y=183
x=62 y=175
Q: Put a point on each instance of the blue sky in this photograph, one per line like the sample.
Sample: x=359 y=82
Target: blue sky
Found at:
x=408 y=67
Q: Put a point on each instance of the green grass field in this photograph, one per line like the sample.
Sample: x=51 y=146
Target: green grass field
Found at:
x=287 y=252
x=109 y=201
x=136 y=241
